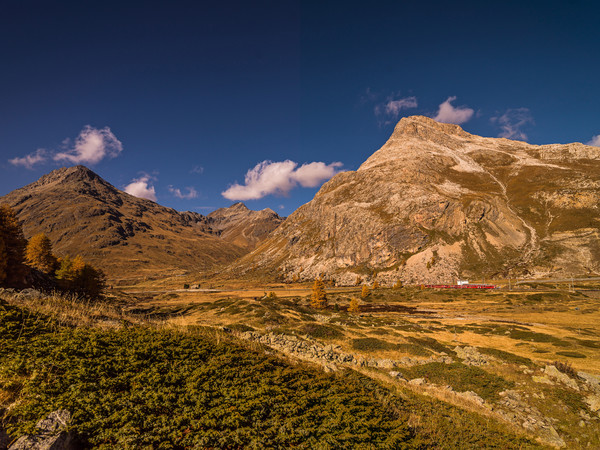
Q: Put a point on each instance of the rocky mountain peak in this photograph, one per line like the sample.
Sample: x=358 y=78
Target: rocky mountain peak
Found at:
x=239 y=206
x=67 y=175
x=425 y=128
x=436 y=203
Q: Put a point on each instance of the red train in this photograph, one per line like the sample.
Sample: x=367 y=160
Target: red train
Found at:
x=459 y=286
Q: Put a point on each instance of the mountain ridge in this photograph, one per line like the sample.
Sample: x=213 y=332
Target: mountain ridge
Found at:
x=122 y=234
x=435 y=203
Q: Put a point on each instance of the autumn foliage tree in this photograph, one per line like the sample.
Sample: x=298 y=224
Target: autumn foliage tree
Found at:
x=318 y=298
x=353 y=307
x=39 y=254
x=77 y=276
x=365 y=291
x=13 y=269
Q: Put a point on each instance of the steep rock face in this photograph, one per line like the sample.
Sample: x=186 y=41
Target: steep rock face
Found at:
x=242 y=226
x=435 y=203
x=124 y=235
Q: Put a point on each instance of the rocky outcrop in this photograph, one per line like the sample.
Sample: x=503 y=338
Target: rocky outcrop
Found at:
x=50 y=434
x=471 y=356
x=242 y=226
x=331 y=356
x=436 y=203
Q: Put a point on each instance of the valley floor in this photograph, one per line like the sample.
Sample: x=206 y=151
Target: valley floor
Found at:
x=459 y=369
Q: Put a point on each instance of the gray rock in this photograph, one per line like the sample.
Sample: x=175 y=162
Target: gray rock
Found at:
x=31 y=293
x=553 y=372
x=471 y=356
x=591 y=381
x=397 y=375
x=472 y=397
x=50 y=434
x=417 y=381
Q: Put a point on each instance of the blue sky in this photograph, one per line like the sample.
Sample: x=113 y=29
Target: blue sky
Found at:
x=185 y=98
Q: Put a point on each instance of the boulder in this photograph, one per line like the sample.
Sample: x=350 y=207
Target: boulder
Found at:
x=553 y=372
x=50 y=434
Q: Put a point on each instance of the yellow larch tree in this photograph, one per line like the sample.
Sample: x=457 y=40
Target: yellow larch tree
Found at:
x=39 y=254
x=353 y=307
x=365 y=291
x=318 y=297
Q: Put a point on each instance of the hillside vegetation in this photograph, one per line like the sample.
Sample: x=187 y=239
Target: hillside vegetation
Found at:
x=155 y=387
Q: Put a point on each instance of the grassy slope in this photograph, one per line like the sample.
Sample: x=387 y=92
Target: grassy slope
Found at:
x=162 y=388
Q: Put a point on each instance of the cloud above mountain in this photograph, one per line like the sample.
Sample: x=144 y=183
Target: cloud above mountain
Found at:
x=279 y=178
x=447 y=113
x=29 y=161
x=142 y=187
x=90 y=147
x=512 y=123
x=191 y=193
x=595 y=141
x=389 y=111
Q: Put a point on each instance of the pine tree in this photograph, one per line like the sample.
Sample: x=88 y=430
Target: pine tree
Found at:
x=375 y=284
x=365 y=291
x=398 y=284
x=318 y=298
x=39 y=254
x=353 y=307
x=14 y=247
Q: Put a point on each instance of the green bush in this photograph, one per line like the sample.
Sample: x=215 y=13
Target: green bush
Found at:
x=506 y=356
x=571 y=354
x=371 y=344
x=321 y=331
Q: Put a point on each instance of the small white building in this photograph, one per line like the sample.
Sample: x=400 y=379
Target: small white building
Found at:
x=462 y=282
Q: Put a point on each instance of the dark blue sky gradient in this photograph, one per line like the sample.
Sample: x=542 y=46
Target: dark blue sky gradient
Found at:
x=225 y=85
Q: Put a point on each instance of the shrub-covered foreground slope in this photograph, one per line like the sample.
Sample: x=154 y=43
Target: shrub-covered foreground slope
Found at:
x=142 y=387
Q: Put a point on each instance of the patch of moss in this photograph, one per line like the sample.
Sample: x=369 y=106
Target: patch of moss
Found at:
x=571 y=354
x=413 y=349
x=241 y=327
x=506 y=356
x=318 y=331
x=371 y=344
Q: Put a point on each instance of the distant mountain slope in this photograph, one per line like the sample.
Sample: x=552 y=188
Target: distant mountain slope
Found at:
x=435 y=203
x=124 y=235
x=242 y=226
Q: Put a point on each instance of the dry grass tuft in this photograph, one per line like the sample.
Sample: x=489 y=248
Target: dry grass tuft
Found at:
x=71 y=310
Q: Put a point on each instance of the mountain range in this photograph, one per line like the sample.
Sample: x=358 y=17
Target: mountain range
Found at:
x=132 y=237
x=433 y=204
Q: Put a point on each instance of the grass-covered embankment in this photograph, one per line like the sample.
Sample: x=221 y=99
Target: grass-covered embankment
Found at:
x=136 y=387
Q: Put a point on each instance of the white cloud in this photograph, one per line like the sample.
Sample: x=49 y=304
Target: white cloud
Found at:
x=91 y=146
x=390 y=110
x=142 y=188
x=280 y=178
x=191 y=193
x=197 y=169
x=28 y=161
x=450 y=114
x=595 y=141
x=512 y=122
